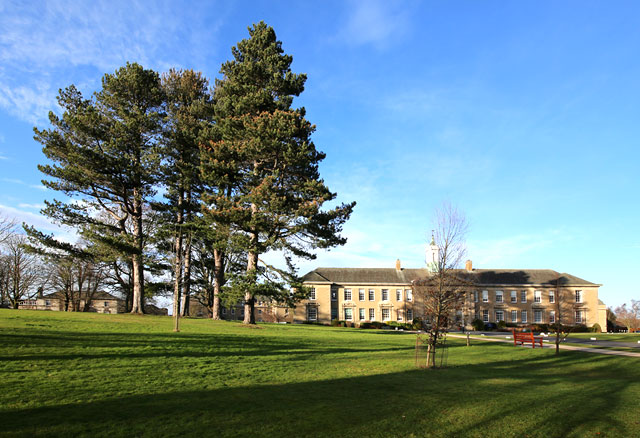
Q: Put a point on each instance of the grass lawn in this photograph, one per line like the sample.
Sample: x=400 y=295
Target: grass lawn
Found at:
x=613 y=337
x=121 y=375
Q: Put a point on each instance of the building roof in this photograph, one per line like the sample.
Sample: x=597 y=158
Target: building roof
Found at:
x=99 y=295
x=506 y=277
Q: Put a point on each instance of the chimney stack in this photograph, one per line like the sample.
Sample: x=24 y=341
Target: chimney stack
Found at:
x=398 y=265
x=468 y=266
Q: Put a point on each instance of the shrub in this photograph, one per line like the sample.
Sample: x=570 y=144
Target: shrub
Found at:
x=477 y=324
x=417 y=324
x=596 y=328
x=502 y=324
x=580 y=328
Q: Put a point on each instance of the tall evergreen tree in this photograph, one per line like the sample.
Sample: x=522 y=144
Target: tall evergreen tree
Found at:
x=260 y=164
x=189 y=111
x=105 y=154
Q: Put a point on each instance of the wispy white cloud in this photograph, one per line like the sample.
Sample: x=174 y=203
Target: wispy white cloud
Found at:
x=37 y=220
x=22 y=183
x=45 y=46
x=32 y=206
x=376 y=22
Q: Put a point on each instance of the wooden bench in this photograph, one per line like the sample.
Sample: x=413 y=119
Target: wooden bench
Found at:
x=526 y=338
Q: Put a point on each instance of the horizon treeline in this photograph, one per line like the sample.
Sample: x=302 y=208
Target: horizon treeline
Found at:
x=168 y=177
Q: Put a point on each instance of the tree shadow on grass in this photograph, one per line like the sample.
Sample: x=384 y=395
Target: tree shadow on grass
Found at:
x=145 y=345
x=537 y=396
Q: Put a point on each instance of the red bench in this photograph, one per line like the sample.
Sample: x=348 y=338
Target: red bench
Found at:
x=526 y=338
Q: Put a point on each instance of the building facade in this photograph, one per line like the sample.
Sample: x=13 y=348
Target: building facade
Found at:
x=101 y=302
x=517 y=296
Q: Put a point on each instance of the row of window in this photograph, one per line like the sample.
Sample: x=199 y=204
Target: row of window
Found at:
x=401 y=294
x=537 y=296
x=363 y=314
x=538 y=316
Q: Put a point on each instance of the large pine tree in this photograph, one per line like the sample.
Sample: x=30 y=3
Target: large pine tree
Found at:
x=189 y=111
x=104 y=154
x=260 y=164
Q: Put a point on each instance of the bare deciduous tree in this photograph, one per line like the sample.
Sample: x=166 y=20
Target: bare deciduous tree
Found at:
x=562 y=313
x=7 y=227
x=22 y=271
x=443 y=291
x=629 y=316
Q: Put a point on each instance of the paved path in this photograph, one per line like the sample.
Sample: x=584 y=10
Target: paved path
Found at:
x=552 y=345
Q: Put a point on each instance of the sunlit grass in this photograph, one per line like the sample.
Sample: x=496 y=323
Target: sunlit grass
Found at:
x=121 y=375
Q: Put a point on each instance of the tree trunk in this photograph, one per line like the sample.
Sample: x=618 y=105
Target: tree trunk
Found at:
x=218 y=269
x=177 y=266
x=186 y=284
x=252 y=264
x=137 y=305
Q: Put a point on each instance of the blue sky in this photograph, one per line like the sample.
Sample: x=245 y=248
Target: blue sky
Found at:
x=523 y=114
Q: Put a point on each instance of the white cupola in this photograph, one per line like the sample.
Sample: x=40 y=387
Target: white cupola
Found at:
x=432 y=255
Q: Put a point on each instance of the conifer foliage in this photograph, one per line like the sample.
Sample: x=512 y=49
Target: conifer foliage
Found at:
x=236 y=165
x=261 y=164
x=104 y=152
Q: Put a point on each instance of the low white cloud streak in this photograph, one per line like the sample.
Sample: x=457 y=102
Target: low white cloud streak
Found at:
x=38 y=221
x=45 y=46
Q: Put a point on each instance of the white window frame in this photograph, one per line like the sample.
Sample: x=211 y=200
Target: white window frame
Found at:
x=579 y=297
x=523 y=317
x=514 y=316
x=523 y=296
x=409 y=293
x=499 y=315
x=485 y=315
x=579 y=316
x=372 y=294
x=398 y=294
x=475 y=296
x=537 y=296
x=348 y=314
x=499 y=296
x=537 y=316
x=386 y=311
x=485 y=296
x=552 y=296
x=400 y=315
x=409 y=314
x=312 y=293
x=361 y=295
x=361 y=313
x=552 y=316
x=312 y=313
x=514 y=296
x=372 y=314
x=347 y=295
x=385 y=295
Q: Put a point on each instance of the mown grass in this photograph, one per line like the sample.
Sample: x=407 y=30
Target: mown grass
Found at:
x=613 y=337
x=121 y=375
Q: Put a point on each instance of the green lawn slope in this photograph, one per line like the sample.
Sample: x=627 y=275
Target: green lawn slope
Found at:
x=65 y=374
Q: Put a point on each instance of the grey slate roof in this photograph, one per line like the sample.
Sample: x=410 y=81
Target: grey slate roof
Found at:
x=544 y=277
x=99 y=295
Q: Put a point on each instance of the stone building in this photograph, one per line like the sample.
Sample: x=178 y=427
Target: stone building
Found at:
x=517 y=296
